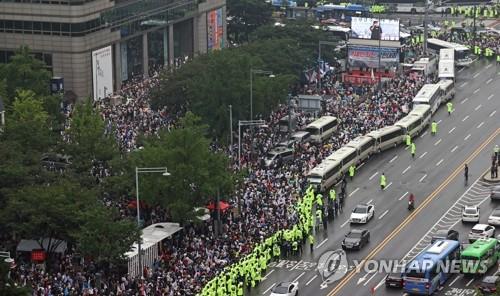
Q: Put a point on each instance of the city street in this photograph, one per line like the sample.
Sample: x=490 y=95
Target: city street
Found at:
x=435 y=177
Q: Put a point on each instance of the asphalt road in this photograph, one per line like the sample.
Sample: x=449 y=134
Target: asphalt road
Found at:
x=435 y=177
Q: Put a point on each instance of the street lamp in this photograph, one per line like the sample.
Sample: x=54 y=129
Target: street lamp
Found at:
x=256 y=71
x=155 y=170
x=246 y=123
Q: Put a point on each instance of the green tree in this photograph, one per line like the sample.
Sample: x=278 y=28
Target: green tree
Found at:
x=245 y=16
x=7 y=286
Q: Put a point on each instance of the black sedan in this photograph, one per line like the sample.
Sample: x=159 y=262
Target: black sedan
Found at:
x=356 y=239
x=394 y=280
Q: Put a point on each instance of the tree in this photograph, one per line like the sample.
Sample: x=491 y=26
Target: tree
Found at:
x=245 y=16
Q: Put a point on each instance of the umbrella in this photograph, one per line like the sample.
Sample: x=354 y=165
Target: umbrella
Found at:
x=222 y=206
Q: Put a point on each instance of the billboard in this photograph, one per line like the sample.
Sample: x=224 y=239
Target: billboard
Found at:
x=102 y=72
x=374 y=29
x=215 y=29
x=368 y=57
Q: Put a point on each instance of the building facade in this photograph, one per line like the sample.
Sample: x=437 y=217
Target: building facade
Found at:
x=96 y=45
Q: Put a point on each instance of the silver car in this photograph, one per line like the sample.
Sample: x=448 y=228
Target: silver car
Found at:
x=495 y=192
x=494 y=218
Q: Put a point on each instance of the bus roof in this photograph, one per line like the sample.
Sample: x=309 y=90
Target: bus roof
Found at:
x=419 y=110
x=382 y=131
x=357 y=142
x=435 y=252
x=321 y=169
x=348 y=6
x=341 y=153
x=445 y=83
x=479 y=247
x=322 y=121
x=426 y=92
x=406 y=121
x=446 y=44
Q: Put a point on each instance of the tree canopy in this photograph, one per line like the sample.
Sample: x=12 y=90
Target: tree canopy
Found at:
x=244 y=16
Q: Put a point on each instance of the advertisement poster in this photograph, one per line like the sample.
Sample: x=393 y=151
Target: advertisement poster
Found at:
x=368 y=57
x=102 y=72
x=374 y=28
x=215 y=29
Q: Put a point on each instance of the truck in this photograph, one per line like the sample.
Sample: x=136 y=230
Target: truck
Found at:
x=424 y=67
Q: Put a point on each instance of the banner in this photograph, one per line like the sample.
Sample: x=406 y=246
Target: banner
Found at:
x=215 y=29
x=374 y=29
x=102 y=72
x=368 y=57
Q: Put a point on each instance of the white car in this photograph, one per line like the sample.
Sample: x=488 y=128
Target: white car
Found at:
x=362 y=213
x=481 y=231
x=470 y=214
x=286 y=289
x=494 y=218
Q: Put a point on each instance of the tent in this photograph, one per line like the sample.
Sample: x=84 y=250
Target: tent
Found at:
x=28 y=245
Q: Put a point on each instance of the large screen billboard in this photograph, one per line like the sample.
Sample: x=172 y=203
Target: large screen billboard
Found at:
x=375 y=29
x=102 y=72
x=368 y=57
x=215 y=29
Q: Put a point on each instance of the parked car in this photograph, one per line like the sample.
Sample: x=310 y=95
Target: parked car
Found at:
x=481 y=231
x=489 y=284
x=494 y=218
x=470 y=214
x=279 y=153
x=495 y=192
x=286 y=289
x=362 y=213
x=356 y=239
x=394 y=280
x=445 y=234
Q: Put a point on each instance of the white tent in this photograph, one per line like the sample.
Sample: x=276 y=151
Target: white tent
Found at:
x=28 y=245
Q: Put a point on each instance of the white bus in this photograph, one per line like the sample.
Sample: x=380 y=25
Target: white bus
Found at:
x=324 y=175
x=463 y=55
x=387 y=137
x=347 y=156
x=448 y=89
x=411 y=124
x=424 y=112
x=429 y=94
x=322 y=128
x=364 y=145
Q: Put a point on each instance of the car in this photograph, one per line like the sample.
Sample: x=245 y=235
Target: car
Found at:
x=494 y=218
x=362 y=213
x=356 y=239
x=279 y=153
x=394 y=280
x=481 y=231
x=470 y=214
x=489 y=284
x=286 y=289
x=495 y=192
x=443 y=234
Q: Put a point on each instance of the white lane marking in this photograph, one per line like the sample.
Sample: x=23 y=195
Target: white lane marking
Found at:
x=464 y=84
x=380 y=283
x=345 y=223
x=454 y=280
x=439 y=162
x=322 y=243
x=312 y=279
x=393 y=159
x=423 y=154
x=464 y=100
x=437 y=143
x=469 y=282
x=481 y=124
x=383 y=214
x=423 y=135
x=300 y=275
x=489 y=80
x=369 y=279
x=370 y=201
x=491 y=96
x=439 y=121
x=265 y=277
x=477 y=90
x=269 y=289
x=409 y=167
x=477 y=74
x=423 y=177
x=387 y=186
x=354 y=191
x=406 y=148
x=493 y=113
x=467 y=137
x=489 y=65
x=403 y=196
x=454 y=148
x=477 y=108
x=461 y=70
x=465 y=118
x=452 y=130
x=373 y=176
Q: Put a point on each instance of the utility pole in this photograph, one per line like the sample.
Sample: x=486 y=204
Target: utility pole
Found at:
x=231 y=127
x=425 y=26
x=474 y=28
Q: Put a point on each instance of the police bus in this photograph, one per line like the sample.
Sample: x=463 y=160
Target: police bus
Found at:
x=423 y=112
x=386 y=137
x=411 y=124
x=347 y=156
x=364 y=145
x=324 y=175
x=480 y=256
x=463 y=55
x=429 y=94
x=448 y=89
x=322 y=128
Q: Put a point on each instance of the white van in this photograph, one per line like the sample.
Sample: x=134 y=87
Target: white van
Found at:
x=322 y=128
x=364 y=145
x=387 y=137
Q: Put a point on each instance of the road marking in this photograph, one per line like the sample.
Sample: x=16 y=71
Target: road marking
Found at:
x=481 y=124
x=493 y=113
x=369 y=202
x=268 y=289
x=465 y=118
x=477 y=74
x=387 y=186
x=406 y=148
x=469 y=282
x=322 y=243
x=344 y=224
x=348 y=277
x=464 y=84
x=467 y=137
x=312 y=279
x=491 y=96
x=464 y=100
x=383 y=214
x=461 y=70
x=489 y=80
x=423 y=135
x=477 y=108
x=489 y=65
x=477 y=90
x=439 y=162
x=437 y=143
x=403 y=196
x=380 y=283
x=423 y=177
x=265 y=277
x=454 y=148
x=373 y=176
x=452 y=130
x=439 y=121
x=454 y=280
x=369 y=279
x=409 y=167
x=393 y=159
x=354 y=191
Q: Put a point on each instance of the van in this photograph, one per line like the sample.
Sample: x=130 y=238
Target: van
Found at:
x=364 y=145
x=387 y=137
x=279 y=153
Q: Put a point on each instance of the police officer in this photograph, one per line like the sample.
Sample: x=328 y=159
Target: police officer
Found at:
x=412 y=149
x=434 y=127
x=496 y=150
x=466 y=173
x=383 y=181
x=311 y=241
x=408 y=139
x=449 y=105
x=351 y=171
